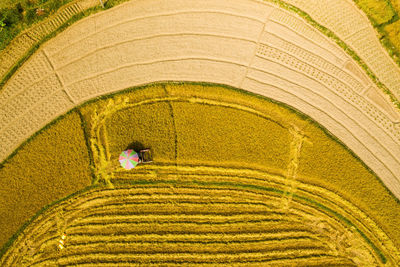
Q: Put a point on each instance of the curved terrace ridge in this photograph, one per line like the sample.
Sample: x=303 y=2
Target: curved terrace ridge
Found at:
x=256 y=46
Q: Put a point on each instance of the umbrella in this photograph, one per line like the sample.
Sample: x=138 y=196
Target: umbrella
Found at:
x=129 y=159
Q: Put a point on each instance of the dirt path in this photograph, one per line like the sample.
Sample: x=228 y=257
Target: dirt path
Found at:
x=251 y=45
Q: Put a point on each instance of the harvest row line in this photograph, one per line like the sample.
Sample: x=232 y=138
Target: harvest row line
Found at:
x=91 y=228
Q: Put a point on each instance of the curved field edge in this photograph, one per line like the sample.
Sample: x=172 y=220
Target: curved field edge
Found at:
x=111 y=3
x=329 y=33
x=302 y=116
x=108 y=96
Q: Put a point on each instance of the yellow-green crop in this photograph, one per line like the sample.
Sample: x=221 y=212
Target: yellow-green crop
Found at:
x=54 y=164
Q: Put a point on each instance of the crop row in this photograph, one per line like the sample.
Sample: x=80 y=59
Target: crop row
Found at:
x=103 y=228
x=192 y=238
x=309 y=32
x=319 y=260
x=334 y=202
x=187 y=258
x=330 y=200
x=183 y=229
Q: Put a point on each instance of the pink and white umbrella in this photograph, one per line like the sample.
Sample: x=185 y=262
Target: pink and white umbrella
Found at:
x=129 y=159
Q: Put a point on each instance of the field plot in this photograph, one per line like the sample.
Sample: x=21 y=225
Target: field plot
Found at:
x=262 y=198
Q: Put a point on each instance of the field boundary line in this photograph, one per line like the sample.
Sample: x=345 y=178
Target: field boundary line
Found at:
x=355 y=32
x=390 y=135
x=175 y=59
x=267 y=20
x=330 y=28
x=151 y=16
x=100 y=48
x=338 y=67
x=59 y=78
x=303 y=35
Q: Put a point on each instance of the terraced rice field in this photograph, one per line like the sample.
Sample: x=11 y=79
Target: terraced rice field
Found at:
x=241 y=201
x=236 y=179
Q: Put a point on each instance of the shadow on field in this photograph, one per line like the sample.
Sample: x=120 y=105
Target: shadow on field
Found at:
x=137 y=146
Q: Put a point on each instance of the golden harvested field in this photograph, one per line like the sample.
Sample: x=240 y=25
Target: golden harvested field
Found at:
x=247 y=182
x=53 y=165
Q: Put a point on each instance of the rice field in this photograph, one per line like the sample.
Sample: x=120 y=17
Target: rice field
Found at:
x=246 y=192
x=305 y=172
